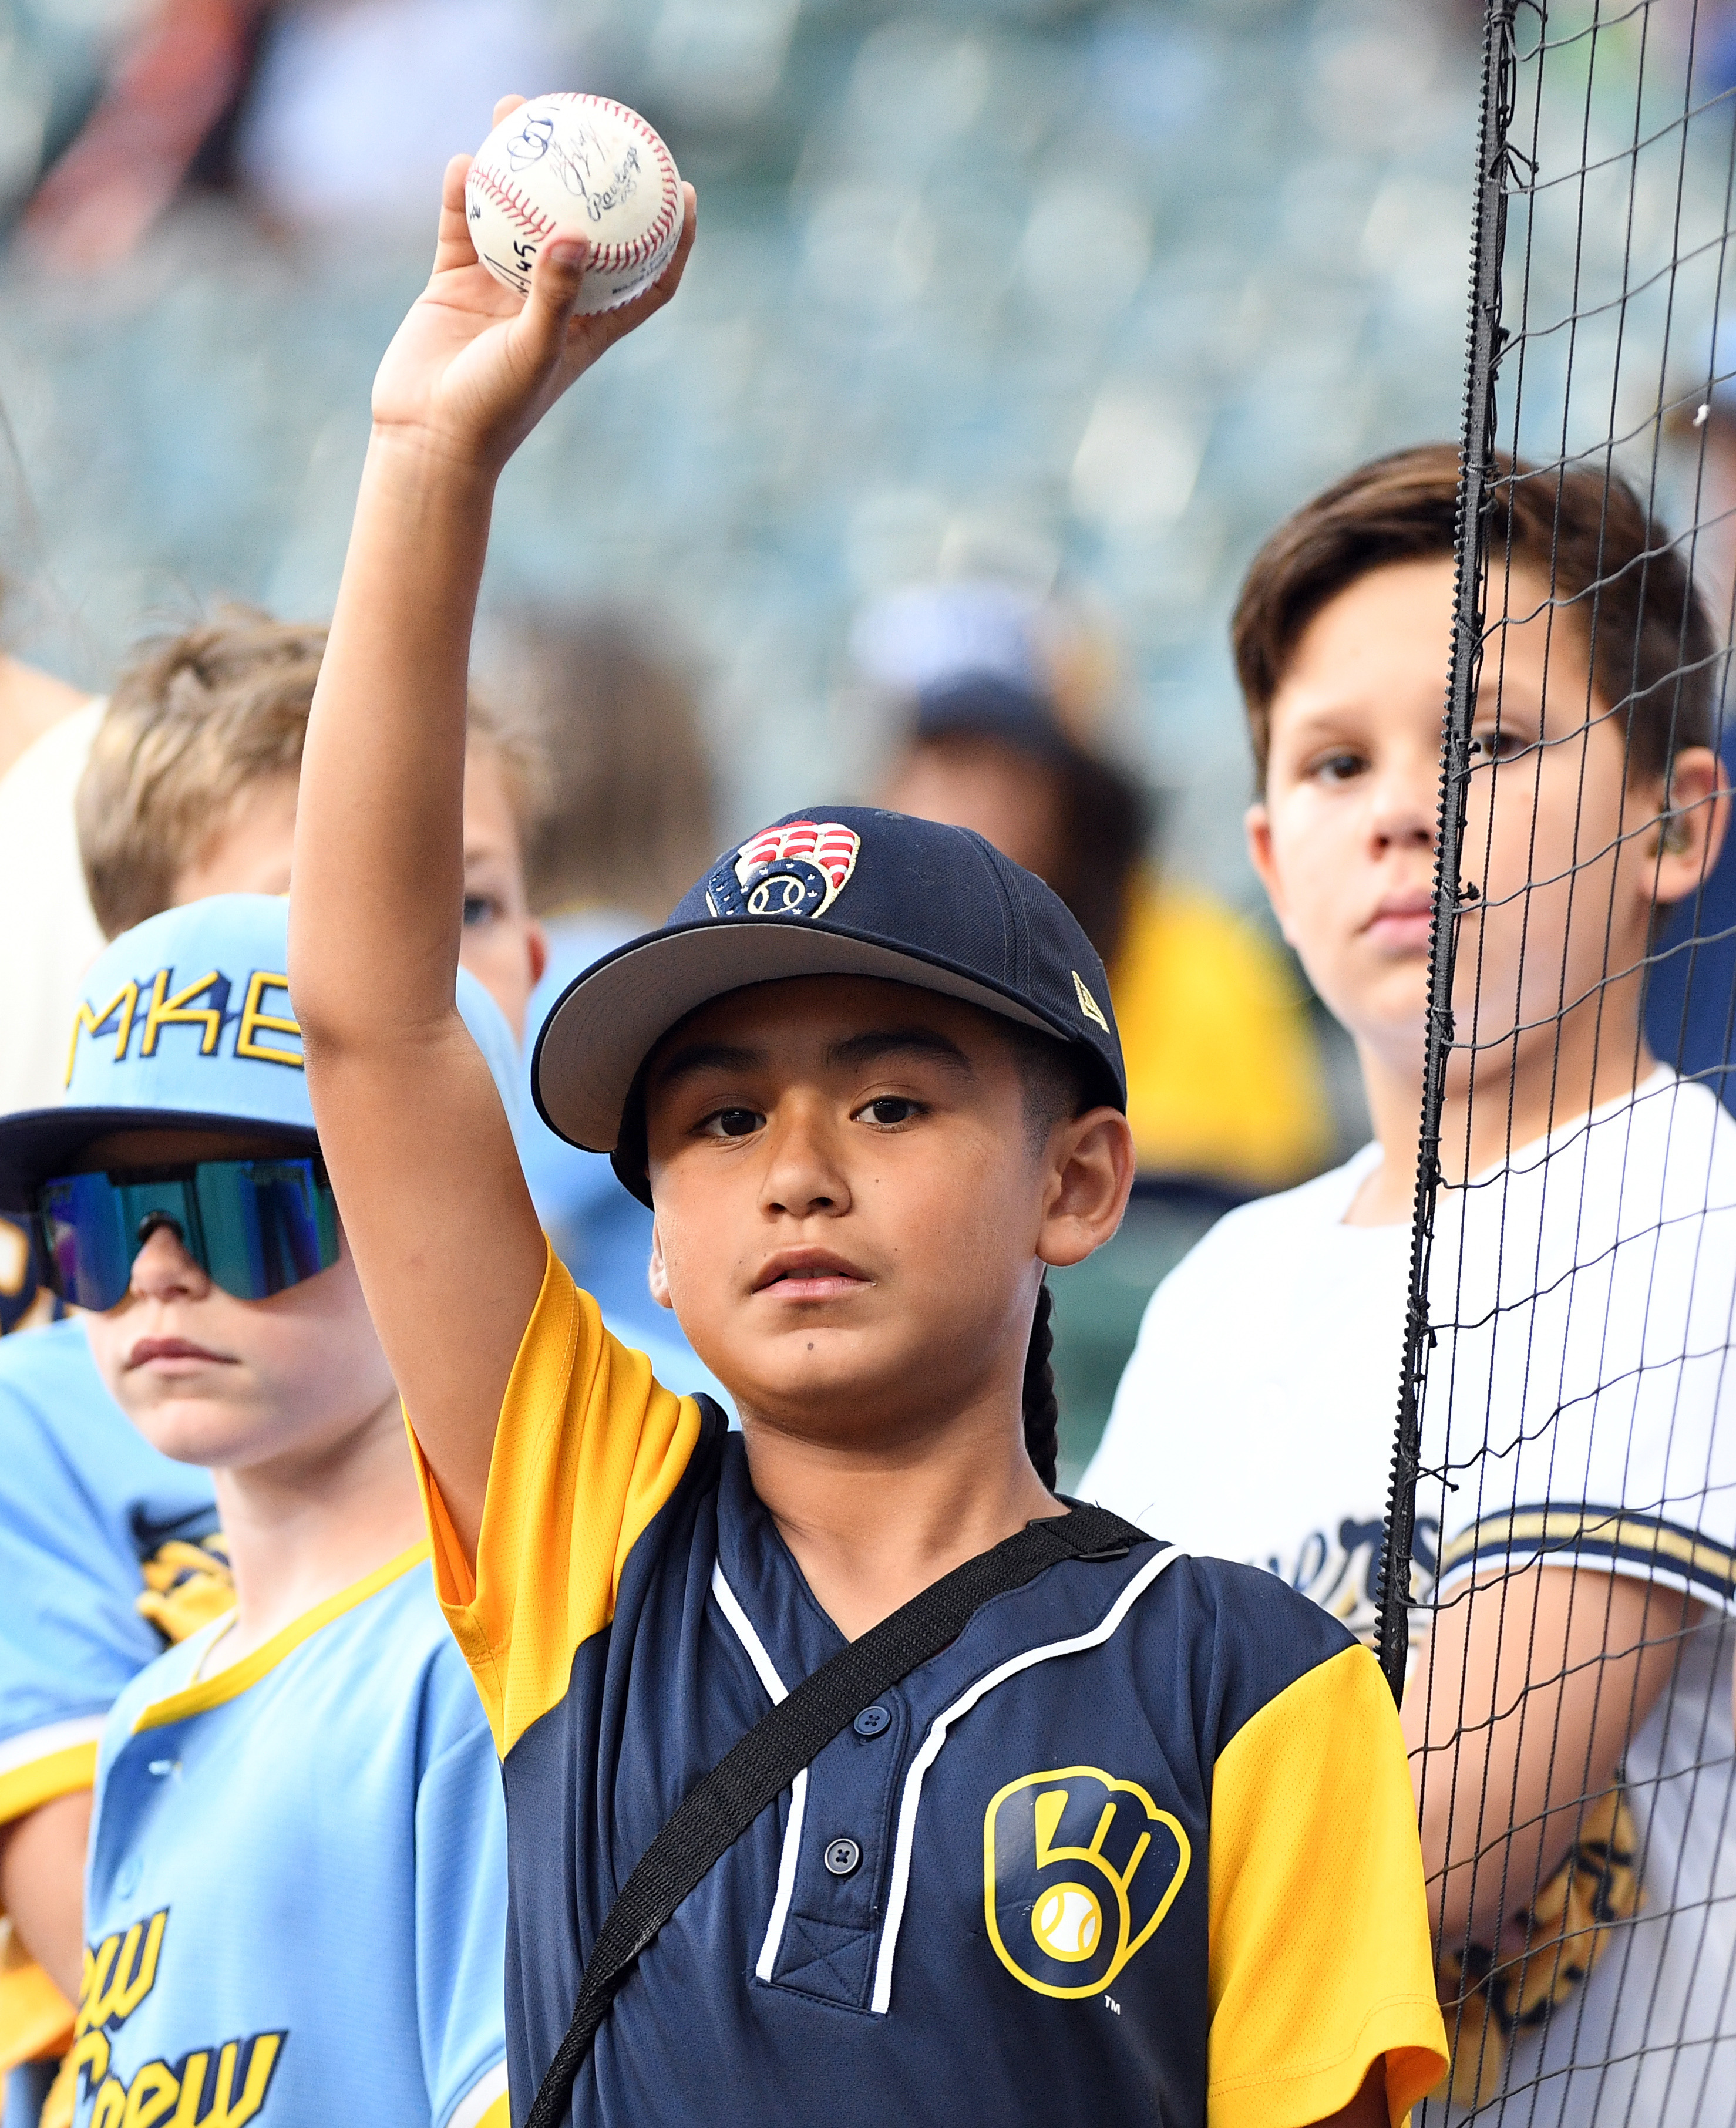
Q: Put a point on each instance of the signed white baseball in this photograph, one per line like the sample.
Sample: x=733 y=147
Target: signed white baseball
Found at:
x=582 y=161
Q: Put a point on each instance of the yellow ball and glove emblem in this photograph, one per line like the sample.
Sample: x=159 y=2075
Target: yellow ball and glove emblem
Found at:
x=1078 y=1871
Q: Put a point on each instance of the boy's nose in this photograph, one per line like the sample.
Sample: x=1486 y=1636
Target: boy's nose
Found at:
x=163 y=1270
x=1406 y=812
x=801 y=1177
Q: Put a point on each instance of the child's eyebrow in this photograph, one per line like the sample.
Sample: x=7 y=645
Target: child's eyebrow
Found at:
x=1327 y=714
x=854 y=1053
x=859 y=1051
x=708 y=1056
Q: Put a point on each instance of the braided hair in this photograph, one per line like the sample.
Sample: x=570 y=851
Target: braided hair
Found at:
x=1041 y=1412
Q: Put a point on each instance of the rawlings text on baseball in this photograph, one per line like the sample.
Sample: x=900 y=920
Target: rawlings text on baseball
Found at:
x=570 y=160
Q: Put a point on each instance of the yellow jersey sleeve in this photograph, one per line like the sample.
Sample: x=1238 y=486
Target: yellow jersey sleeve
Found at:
x=587 y=1450
x=59 y=1768
x=1321 y=1963
x=36 y=2018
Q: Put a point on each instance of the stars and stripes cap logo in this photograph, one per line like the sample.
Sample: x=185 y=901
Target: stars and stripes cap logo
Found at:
x=797 y=869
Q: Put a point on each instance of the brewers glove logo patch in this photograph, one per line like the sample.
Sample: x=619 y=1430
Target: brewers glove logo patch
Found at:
x=1078 y=1869
x=797 y=870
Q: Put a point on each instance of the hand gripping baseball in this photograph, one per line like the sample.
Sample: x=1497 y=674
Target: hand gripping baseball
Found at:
x=472 y=369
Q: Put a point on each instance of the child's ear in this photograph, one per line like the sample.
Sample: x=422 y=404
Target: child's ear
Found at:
x=1087 y=1193
x=1690 y=826
x=657 y=1277
x=1257 y=827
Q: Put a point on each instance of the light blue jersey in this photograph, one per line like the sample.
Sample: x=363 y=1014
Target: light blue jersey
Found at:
x=295 y=1904
x=97 y=1530
x=91 y=1517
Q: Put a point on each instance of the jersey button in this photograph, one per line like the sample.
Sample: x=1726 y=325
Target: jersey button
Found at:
x=871 y=1721
x=842 y=1857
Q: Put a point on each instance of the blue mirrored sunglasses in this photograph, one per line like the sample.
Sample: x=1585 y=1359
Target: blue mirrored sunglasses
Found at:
x=254 y=1226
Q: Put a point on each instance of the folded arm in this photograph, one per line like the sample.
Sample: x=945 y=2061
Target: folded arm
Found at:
x=418 y=1147
x=42 y=1885
x=1519 y=1715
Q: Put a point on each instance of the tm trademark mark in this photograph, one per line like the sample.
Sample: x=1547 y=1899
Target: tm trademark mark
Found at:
x=1110 y=2003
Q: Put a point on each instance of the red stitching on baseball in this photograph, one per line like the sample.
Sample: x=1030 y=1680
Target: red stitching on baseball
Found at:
x=605 y=258
x=512 y=202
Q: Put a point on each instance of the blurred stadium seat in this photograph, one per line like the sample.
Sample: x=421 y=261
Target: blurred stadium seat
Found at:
x=1127 y=280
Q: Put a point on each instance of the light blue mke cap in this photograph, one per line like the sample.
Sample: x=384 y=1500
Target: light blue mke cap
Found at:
x=185 y=1023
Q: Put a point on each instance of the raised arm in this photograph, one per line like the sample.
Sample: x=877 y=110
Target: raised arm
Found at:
x=417 y=1145
x=1526 y=1699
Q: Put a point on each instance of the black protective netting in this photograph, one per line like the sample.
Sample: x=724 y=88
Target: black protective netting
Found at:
x=1564 y=1515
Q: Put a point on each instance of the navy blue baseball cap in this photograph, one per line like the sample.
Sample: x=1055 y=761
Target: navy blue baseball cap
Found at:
x=833 y=890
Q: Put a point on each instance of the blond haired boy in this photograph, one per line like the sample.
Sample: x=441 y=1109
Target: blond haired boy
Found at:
x=296 y=1889
x=190 y=789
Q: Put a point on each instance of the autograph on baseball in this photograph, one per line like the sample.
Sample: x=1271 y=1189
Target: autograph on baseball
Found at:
x=581 y=159
x=561 y=149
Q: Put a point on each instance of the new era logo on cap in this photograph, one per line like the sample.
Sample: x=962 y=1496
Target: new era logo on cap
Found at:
x=1087 y=1004
x=797 y=869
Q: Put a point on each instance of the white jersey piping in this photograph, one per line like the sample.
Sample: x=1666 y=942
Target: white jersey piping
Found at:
x=43 y=1743
x=936 y=1737
x=488 y=2087
x=730 y=1607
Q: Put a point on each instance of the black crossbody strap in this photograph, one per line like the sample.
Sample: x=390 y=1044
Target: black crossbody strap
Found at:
x=723 y=1805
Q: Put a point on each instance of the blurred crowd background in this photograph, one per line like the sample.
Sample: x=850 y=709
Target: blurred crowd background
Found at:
x=1015 y=325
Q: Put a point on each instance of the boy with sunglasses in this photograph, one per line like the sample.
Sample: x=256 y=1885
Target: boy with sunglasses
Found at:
x=188 y=791
x=296 y=1889
x=1135 y=1841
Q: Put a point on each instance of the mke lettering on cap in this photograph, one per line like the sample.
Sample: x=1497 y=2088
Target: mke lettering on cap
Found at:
x=181 y=1008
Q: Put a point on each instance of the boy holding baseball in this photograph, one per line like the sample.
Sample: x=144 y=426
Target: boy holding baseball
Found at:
x=1137 y=1842
x=1576 y=1521
x=295 y=1894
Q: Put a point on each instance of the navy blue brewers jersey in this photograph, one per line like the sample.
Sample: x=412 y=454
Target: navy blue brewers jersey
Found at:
x=1138 y=1846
